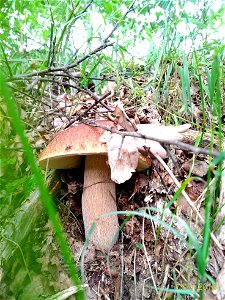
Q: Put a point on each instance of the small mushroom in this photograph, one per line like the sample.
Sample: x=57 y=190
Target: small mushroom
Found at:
x=99 y=193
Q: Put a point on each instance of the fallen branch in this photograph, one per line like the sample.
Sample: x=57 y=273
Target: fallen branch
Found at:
x=181 y=145
x=86 y=91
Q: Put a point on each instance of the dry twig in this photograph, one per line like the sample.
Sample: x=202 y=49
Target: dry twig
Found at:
x=181 y=145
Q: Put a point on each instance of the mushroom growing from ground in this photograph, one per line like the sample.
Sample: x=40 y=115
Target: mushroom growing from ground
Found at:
x=99 y=191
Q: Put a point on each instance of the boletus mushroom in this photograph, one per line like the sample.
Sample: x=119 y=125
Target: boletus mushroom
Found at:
x=99 y=191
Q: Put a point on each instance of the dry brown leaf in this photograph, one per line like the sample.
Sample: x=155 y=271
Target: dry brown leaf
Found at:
x=122 y=157
x=141 y=183
x=197 y=113
x=184 y=207
x=59 y=122
x=123 y=152
x=167 y=179
x=195 y=189
x=169 y=133
x=110 y=87
x=200 y=167
x=148 y=114
x=76 y=108
x=122 y=119
x=208 y=295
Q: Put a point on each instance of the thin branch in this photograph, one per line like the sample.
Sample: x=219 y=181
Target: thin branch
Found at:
x=92 y=95
x=6 y=61
x=83 y=11
x=86 y=91
x=181 y=145
x=75 y=64
x=64 y=67
x=79 y=117
x=117 y=23
x=70 y=22
x=78 y=76
x=98 y=49
x=51 y=43
x=98 y=101
x=29 y=96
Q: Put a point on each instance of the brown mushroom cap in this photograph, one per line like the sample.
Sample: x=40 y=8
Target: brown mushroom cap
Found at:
x=64 y=151
x=67 y=147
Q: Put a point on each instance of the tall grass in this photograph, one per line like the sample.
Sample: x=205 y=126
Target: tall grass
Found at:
x=39 y=182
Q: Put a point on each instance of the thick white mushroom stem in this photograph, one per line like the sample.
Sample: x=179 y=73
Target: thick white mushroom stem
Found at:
x=99 y=197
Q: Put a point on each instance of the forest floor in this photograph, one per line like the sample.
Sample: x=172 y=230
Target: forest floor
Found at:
x=146 y=255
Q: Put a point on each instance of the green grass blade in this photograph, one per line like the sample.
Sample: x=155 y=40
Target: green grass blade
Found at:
x=47 y=200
